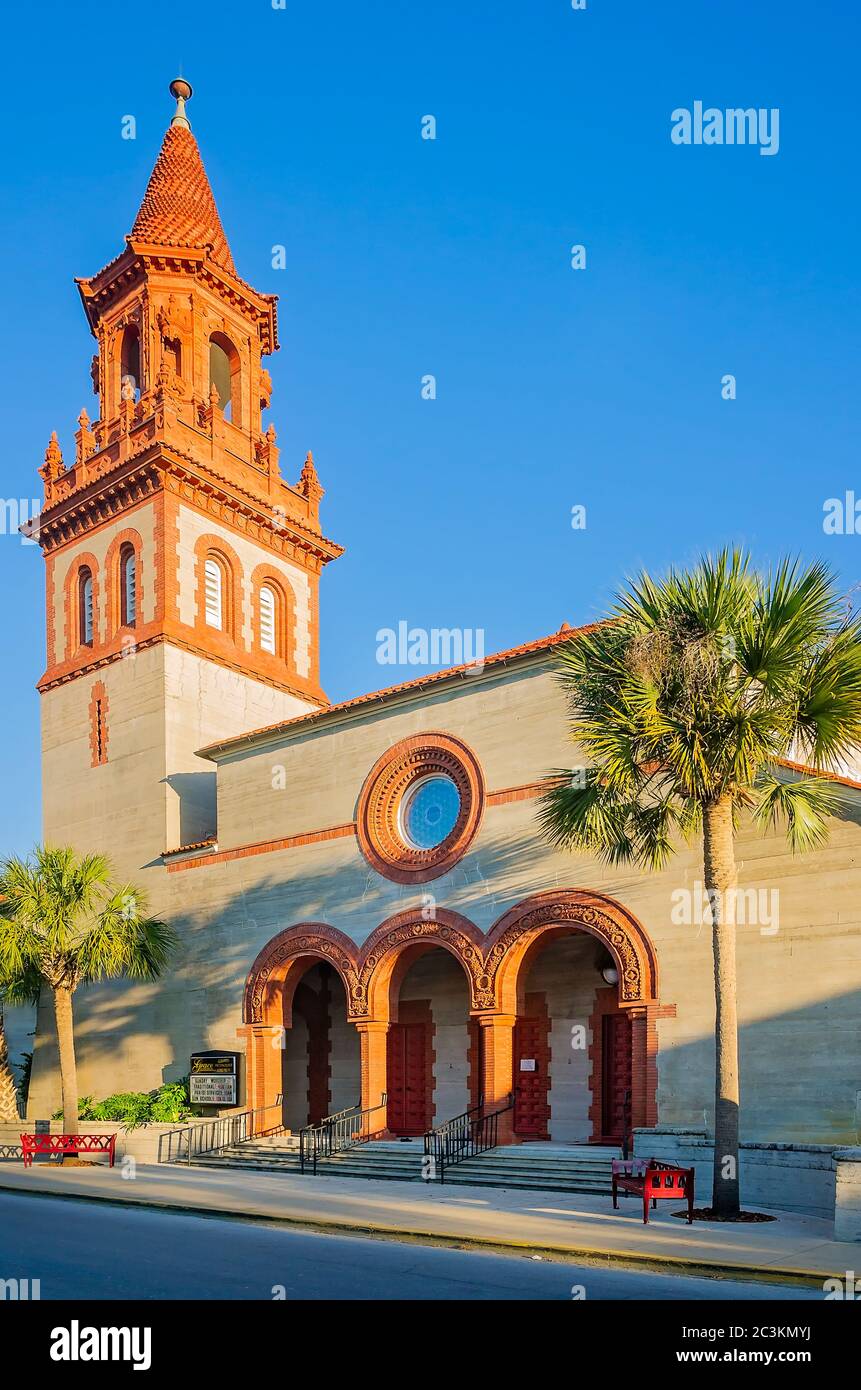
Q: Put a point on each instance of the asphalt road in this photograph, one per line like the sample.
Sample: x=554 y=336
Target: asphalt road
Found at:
x=92 y=1250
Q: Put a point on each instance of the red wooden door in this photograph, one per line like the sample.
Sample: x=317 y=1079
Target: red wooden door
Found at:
x=407 y=1078
x=616 y=1074
x=531 y=1078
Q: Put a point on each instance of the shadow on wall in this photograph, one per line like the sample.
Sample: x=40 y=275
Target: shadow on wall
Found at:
x=195 y=793
x=800 y=1070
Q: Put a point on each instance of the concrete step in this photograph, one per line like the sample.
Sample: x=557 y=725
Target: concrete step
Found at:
x=551 y=1168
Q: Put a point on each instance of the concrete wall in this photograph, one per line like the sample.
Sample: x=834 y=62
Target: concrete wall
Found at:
x=153 y=794
x=790 y=1177
x=799 y=985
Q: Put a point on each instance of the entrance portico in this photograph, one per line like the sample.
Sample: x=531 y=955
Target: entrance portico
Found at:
x=555 y=1006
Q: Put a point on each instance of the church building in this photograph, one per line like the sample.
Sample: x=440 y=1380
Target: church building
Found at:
x=367 y=911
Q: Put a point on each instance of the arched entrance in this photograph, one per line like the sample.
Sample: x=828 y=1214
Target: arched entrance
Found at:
x=300 y=1041
x=421 y=976
x=577 y=973
x=447 y=1018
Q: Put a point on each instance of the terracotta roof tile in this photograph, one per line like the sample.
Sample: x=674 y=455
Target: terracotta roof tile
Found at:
x=178 y=208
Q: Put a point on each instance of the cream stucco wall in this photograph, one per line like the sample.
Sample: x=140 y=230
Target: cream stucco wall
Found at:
x=799 y=986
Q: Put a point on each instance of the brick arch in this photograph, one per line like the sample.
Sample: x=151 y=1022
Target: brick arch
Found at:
x=113 y=578
x=513 y=936
x=272 y=980
x=392 y=948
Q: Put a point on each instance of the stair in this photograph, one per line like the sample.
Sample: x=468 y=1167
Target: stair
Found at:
x=532 y=1167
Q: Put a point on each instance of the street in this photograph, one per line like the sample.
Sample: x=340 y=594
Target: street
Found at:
x=91 y=1250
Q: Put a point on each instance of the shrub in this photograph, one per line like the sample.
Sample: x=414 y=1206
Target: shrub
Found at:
x=168 y=1104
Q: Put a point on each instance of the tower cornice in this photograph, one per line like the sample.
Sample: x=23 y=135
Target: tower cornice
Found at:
x=156 y=468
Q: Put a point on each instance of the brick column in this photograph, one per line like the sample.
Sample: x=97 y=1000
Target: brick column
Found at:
x=373 y=1037
x=497 y=1058
x=264 y=1049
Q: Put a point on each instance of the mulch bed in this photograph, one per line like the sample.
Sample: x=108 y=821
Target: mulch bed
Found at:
x=707 y=1214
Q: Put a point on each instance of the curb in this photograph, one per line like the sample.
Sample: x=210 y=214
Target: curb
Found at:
x=589 y=1255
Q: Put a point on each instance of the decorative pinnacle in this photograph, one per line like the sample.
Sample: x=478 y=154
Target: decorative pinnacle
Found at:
x=181 y=89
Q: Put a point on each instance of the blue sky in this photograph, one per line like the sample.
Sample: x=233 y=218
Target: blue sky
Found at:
x=408 y=257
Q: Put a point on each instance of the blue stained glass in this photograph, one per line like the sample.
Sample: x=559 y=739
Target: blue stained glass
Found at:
x=429 y=812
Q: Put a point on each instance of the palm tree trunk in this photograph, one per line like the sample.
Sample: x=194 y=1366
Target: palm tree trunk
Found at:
x=9 y=1113
x=720 y=881
x=68 y=1069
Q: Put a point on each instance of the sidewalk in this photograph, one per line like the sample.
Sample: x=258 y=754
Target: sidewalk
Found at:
x=582 y=1227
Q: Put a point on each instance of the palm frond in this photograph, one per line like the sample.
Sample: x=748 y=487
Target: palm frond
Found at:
x=801 y=806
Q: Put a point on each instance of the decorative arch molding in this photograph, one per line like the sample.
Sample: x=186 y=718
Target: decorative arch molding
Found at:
x=494 y=966
x=285 y=618
x=85 y=559
x=231 y=635
x=114 y=578
x=492 y=963
x=278 y=968
x=607 y=920
x=396 y=943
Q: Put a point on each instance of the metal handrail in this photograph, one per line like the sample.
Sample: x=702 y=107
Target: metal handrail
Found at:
x=465 y=1136
x=222 y=1132
x=335 y=1134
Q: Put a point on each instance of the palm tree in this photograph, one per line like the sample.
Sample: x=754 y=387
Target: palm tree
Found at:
x=686 y=706
x=62 y=917
x=20 y=989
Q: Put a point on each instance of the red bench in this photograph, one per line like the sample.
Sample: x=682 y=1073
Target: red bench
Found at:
x=67 y=1144
x=652 y=1181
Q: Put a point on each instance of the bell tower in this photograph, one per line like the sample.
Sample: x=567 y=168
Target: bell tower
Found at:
x=182 y=570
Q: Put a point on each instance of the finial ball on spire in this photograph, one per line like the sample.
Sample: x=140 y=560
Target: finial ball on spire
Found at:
x=180 y=89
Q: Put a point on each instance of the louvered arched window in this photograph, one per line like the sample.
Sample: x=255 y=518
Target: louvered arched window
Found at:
x=214 y=585
x=85 y=607
x=268 y=619
x=128 y=586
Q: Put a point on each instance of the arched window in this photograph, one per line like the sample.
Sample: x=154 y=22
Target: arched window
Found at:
x=130 y=364
x=85 y=607
x=268 y=619
x=214 y=598
x=224 y=375
x=128 y=586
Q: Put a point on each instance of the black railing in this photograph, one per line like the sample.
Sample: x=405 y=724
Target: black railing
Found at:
x=209 y=1136
x=336 y=1133
x=465 y=1136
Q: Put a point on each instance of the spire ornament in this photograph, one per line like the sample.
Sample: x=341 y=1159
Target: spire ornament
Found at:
x=182 y=90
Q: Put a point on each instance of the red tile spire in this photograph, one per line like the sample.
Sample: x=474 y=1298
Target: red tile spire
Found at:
x=178 y=208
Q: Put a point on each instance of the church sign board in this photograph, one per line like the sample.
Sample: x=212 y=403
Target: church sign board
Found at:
x=213 y=1078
